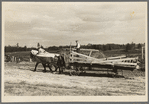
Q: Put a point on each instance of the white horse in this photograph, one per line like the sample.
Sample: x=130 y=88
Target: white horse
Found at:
x=48 y=60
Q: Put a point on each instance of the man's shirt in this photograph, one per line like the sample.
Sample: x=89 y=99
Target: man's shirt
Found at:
x=78 y=45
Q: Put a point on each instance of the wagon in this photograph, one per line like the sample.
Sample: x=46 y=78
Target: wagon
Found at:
x=80 y=62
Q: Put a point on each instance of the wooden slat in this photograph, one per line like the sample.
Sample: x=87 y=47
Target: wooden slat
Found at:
x=89 y=50
x=118 y=60
x=118 y=57
x=103 y=61
x=90 y=53
x=113 y=64
x=88 y=57
x=77 y=58
x=122 y=63
x=81 y=61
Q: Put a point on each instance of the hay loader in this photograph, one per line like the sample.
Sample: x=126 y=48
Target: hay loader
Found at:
x=80 y=62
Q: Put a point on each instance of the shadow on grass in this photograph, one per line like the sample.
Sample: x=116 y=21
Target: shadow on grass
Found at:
x=41 y=70
x=91 y=73
x=95 y=74
x=99 y=73
x=88 y=74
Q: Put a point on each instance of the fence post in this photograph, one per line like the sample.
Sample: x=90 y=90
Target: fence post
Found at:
x=14 y=59
x=30 y=59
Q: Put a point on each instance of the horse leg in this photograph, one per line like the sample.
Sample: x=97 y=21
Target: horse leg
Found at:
x=36 y=66
x=44 y=65
x=56 y=68
x=59 y=69
x=50 y=67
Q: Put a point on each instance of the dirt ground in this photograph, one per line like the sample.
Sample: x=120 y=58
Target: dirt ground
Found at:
x=20 y=80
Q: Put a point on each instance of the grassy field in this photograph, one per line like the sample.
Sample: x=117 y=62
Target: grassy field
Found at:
x=20 y=80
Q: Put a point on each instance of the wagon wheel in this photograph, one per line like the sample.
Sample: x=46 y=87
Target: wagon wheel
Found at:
x=72 y=73
x=115 y=72
x=81 y=69
x=78 y=70
x=75 y=70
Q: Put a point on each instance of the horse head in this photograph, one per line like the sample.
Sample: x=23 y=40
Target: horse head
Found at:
x=33 y=53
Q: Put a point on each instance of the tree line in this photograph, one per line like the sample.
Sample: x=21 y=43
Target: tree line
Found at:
x=102 y=47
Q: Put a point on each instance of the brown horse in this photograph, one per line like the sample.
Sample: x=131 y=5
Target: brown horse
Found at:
x=56 y=62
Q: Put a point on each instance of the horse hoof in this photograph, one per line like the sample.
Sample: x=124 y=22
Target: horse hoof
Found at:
x=44 y=71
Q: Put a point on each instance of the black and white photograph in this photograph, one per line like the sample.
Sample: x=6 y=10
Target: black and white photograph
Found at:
x=74 y=51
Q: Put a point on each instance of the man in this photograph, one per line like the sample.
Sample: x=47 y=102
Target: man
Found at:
x=77 y=46
x=40 y=50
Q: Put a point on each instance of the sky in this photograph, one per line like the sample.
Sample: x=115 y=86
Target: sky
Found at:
x=61 y=23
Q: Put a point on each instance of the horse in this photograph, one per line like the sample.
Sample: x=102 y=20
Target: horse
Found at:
x=56 y=60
